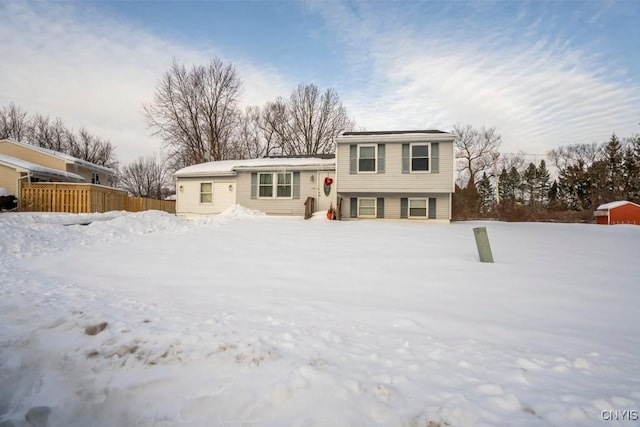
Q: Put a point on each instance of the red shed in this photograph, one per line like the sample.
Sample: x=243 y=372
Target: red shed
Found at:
x=621 y=212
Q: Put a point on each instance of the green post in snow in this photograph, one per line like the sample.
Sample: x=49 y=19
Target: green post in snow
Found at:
x=482 y=242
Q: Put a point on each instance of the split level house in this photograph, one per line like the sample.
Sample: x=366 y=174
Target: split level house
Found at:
x=21 y=162
x=374 y=175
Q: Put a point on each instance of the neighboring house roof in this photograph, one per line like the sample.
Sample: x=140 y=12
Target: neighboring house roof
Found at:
x=38 y=170
x=392 y=132
x=230 y=167
x=612 y=205
x=66 y=157
x=395 y=136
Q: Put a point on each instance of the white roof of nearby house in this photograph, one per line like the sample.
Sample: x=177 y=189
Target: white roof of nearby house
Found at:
x=38 y=170
x=395 y=136
x=230 y=167
x=66 y=157
x=612 y=205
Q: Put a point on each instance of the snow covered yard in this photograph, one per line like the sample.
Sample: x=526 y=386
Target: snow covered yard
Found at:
x=247 y=320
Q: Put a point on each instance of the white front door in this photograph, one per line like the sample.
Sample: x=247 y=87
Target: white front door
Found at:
x=324 y=199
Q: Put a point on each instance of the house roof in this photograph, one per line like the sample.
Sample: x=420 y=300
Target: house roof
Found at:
x=612 y=205
x=230 y=167
x=38 y=170
x=392 y=132
x=395 y=136
x=63 y=156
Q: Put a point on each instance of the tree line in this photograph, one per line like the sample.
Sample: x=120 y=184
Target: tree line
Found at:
x=196 y=114
x=507 y=187
x=42 y=131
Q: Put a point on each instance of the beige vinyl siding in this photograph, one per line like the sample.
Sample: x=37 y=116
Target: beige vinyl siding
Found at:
x=275 y=206
x=188 y=197
x=24 y=153
x=392 y=204
x=87 y=174
x=8 y=179
x=393 y=180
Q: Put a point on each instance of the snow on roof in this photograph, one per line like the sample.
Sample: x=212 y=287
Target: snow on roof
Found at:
x=38 y=169
x=612 y=205
x=229 y=167
x=395 y=136
x=66 y=157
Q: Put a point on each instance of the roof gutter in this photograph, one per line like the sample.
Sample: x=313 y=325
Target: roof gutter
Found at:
x=407 y=137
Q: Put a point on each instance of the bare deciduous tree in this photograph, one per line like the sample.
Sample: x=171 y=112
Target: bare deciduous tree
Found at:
x=92 y=149
x=194 y=112
x=144 y=177
x=476 y=150
x=307 y=123
x=250 y=141
x=52 y=135
x=568 y=155
x=316 y=120
x=39 y=130
x=14 y=122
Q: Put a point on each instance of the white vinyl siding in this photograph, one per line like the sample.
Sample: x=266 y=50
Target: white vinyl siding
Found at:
x=393 y=208
x=309 y=184
x=206 y=192
x=393 y=180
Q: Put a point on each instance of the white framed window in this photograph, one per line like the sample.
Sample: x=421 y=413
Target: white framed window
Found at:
x=95 y=178
x=206 y=192
x=367 y=158
x=419 y=157
x=366 y=207
x=284 y=183
x=265 y=185
x=418 y=208
x=278 y=185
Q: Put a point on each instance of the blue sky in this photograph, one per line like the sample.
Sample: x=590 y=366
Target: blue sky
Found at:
x=544 y=74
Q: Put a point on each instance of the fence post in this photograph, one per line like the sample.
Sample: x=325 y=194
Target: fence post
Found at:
x=482 y=242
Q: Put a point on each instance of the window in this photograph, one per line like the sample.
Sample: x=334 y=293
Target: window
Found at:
x=417 y=208
x=206 y=192
x=265 y=185
x=95 y=178
x=367 y=158
x=419 y=157
x=367 y=208
x=284 y=185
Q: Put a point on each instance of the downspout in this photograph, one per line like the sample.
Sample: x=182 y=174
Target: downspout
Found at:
x=19 y=188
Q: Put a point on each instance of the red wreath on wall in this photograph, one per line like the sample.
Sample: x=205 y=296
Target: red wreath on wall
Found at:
x=328 y=180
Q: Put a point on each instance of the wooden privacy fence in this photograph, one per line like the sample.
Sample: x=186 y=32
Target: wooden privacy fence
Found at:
x=84 y=198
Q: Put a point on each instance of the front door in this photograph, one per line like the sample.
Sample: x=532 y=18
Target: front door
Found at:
x=326 y=189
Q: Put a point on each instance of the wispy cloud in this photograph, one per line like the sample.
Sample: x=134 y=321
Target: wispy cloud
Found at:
x=90 y=70
x=540 y=91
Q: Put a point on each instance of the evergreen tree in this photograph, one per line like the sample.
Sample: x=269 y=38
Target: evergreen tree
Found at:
x=485 y=194
x=575 y=186
x=530 y=179
x=506 y=187
x=542 y=183
x=553 y=195
x=613 y=155
x=516 y=182
x=631 y=170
